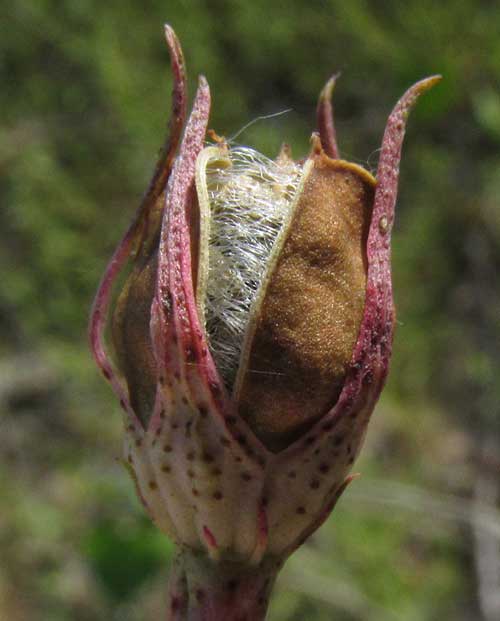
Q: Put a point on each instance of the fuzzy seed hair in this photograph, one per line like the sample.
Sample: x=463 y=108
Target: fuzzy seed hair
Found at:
x=249 y=203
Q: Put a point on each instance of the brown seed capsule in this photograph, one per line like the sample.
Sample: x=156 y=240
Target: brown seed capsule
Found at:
x=311 y=306
x=131 y=333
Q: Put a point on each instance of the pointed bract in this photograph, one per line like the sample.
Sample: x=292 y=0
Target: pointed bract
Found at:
x=324 y=115
x=132 y=237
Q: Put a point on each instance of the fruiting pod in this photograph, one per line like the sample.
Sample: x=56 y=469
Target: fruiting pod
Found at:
x=253 y=333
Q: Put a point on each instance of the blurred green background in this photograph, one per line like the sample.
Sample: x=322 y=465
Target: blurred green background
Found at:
x=84 y=101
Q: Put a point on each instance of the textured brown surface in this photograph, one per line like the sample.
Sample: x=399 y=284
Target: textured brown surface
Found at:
x=131 y=319
x=132 y=312
x=311 y=312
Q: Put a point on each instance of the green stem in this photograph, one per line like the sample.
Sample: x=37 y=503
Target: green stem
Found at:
x=203 y=590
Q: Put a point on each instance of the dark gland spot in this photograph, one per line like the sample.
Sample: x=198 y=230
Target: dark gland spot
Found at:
x=232 y=585
x=190 y=354
x=175 y=604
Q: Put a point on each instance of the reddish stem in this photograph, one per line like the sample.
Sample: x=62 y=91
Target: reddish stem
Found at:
x=202 y=590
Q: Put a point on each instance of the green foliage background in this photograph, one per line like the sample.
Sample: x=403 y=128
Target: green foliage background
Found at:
x=84 y=100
